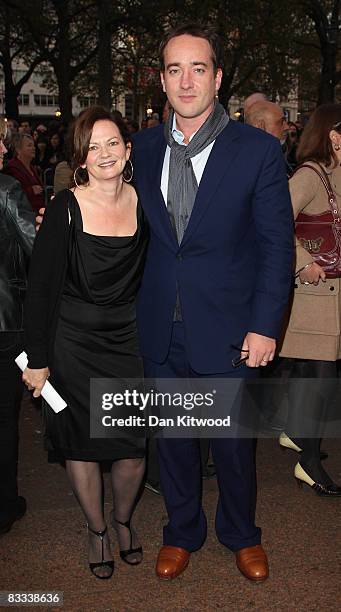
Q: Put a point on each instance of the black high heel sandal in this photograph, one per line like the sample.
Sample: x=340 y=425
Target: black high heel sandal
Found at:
x=324 y=490
x=94 y=566
x=124 y=554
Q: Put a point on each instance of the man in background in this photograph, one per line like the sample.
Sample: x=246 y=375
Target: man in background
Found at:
x=251 y=99
x=270 y=117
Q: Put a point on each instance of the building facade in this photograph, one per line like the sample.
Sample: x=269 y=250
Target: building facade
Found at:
x=37 y=103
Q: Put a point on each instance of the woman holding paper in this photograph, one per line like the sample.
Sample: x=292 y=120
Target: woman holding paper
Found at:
x=80 y=323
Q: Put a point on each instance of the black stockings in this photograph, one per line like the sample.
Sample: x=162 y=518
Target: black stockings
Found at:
x=309 y=409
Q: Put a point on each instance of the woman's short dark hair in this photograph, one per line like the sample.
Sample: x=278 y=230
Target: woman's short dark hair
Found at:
x=199 y=31
x=42 y=138
x=315 y=143
x=81 y=131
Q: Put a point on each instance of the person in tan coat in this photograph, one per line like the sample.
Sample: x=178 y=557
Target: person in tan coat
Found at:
x=313 y=336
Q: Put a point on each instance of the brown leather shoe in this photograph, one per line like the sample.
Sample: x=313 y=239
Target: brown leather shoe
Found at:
x=171 y=562
x=253 y=563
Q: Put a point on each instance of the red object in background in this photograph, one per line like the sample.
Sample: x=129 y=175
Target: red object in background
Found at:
x=27 y=180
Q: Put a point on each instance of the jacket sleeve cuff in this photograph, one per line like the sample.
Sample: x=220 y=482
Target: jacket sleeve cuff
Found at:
x=303 y=258
x=37 y=359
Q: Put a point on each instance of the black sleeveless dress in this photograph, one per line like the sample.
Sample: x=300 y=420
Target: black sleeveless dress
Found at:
x=96 y=336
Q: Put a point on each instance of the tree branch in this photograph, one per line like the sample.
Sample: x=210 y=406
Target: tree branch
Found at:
x=79 y=67
x=29 y=72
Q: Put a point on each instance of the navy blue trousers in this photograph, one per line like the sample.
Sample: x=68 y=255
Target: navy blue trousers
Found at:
x=180 y=472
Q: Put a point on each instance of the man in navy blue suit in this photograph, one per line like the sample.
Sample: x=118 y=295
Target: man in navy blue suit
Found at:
x=217 y=275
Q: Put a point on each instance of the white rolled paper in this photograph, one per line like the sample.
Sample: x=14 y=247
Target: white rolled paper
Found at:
x=48 y=392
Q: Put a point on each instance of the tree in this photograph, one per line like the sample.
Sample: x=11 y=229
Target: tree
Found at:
x=63 y=32
x=14 y=45
x=135 y=47
x=256 y=44
x=137 y=64
x=326 y=19
x=105 y=18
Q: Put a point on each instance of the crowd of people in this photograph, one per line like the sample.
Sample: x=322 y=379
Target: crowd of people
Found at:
x=169 y=253
x=38 y=155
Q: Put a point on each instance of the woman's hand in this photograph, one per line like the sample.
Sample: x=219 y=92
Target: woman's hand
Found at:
x=39 y=218
x=311 y=274
x=35 y=379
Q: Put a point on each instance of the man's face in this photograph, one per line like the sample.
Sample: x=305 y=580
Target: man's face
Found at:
x=276 y=124
x=12 y=126
x=25 y=127
x=189 y=79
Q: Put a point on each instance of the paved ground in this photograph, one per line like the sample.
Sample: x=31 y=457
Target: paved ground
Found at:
x=302 y=534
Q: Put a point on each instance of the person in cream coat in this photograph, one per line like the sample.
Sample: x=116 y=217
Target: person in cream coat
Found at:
x=313 y=336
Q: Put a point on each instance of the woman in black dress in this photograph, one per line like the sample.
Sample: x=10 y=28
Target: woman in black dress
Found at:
x=80 y=323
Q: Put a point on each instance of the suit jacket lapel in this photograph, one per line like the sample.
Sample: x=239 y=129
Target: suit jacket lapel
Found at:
x=224 y=151
x=159 y=208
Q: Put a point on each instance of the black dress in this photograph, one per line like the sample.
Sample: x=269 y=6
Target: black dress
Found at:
x=96 y=336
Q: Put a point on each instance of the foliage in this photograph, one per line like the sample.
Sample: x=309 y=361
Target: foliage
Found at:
x=62 y=32
x=15 y=44
x=105 y=47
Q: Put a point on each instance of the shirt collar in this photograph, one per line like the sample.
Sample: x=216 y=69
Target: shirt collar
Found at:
x=178 y=135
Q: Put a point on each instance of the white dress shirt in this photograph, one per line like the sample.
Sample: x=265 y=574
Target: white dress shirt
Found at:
x=198 y=162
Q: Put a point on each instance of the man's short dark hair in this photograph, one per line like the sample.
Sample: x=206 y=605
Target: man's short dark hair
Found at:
x=199 y=31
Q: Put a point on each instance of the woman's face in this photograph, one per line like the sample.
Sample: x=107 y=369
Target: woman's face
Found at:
x=55 y=140
x=3 y=152
x=27 y=150
x=41 y=145
x=292 y=135
x=108 y=152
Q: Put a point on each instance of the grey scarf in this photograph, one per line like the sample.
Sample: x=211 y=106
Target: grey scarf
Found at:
x=182 y=184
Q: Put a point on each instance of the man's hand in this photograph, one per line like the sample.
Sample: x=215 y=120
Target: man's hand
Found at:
x=312 y=274
x=39 y=218
x=261 y=349
x=35 y=379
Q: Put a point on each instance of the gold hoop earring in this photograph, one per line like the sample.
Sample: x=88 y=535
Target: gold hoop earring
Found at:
x=130 y=177
x=81 y=187
x=337 y=147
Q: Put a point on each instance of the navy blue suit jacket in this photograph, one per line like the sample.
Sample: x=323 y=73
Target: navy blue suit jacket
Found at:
x=234 y=265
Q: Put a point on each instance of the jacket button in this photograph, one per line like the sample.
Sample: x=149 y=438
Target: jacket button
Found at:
x=179 y=257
